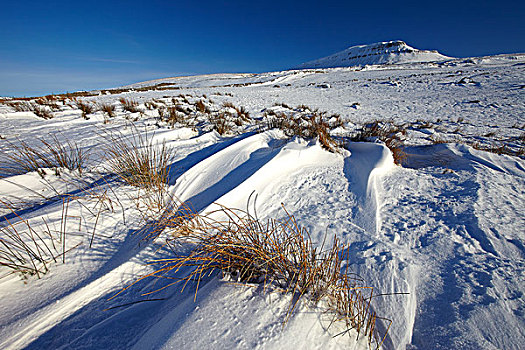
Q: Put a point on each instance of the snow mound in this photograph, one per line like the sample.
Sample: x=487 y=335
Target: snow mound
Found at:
x=388 y=52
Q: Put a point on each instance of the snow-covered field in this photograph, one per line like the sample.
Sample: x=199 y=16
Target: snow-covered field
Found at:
x=440 y=237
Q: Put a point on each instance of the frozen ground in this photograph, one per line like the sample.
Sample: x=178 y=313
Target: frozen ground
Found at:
x=447 y=227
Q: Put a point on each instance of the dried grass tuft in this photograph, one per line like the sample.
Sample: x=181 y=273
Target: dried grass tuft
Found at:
x=129 y=105
x=138 y=161
x=86 y=108
x=42 y=111
x=50 y=153
x=278 y=254
x=221 y=122
x=29 y=249
x=201 y=107
x=20 y=106
x=306 y=124
x=109 y=109
x=387 y=132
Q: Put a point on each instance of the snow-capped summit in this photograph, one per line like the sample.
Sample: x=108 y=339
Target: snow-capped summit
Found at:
x=388 y=52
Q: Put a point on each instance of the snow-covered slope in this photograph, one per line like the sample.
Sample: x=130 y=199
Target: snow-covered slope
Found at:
x=388 y=52
x=446 y=227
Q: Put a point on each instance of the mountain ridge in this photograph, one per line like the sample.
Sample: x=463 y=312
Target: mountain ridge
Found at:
x=386 y=52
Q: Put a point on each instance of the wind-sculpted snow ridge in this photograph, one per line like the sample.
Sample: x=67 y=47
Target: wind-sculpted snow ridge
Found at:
x=389 y=52
x=423 y=185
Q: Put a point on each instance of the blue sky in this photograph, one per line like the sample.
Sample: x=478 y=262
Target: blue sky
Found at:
x=58 y=46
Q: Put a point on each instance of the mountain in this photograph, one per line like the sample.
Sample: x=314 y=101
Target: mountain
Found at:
x=388 y=52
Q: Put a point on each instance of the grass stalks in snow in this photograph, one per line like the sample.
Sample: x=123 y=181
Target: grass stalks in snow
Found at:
x=42 y=111
x=278 y=254
x=138 y=161
x=387 y=132
x=109 y=109
x=129 y=105
x=27 y=250
x=20 y=106
x=201 y=107
x=303 y=123
x=143 y=164
x=222 y=122
x=86 y=108
x=175 y=116
x=50 y=153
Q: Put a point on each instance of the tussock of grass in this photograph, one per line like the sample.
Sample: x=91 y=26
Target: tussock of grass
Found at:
x=387 y=132
x=109 y=109
x=20 y=106
x=28 y=250
x=129 y=105
x=176 y=115
x=222 y=122
x=242 y=114
x=278 y=254
x=138 y=161
x=141 y=162
x=163 y=113
x=498 y=149
x=303 y=123
x=201 y=107
x=86 y=108
x=42 y=112
x=50 y=153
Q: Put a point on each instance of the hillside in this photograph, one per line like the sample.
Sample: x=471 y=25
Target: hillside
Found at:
x=418 y=170
x=389 y=52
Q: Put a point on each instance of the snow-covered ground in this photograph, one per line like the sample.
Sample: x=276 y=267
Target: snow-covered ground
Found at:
x=446 y=228
x=388 y=52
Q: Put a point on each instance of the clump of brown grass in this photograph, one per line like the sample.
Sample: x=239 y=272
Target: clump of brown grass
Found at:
x=50 y=153
x=150 y=105
x=86 y=108
x=335 y=121
x=42 y=112
x=278 y=254
x=109 y=109
x=387 y=132
x=129 y=105
x=201 y=107
x=138 y=161
x=318 y=127
x=497 y=149
x=242 y=114
x=141 y=162
x=176 y=114
x=49 y=101
x=306 y=124
x=221 y=122
x=300 y=108
x=163 y=112
x=183 y=97
x=20 y=106
x=282 y=104
x=180 y=108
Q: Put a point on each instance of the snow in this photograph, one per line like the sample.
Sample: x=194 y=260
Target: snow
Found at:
x=446 y=228
x=389 y=52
